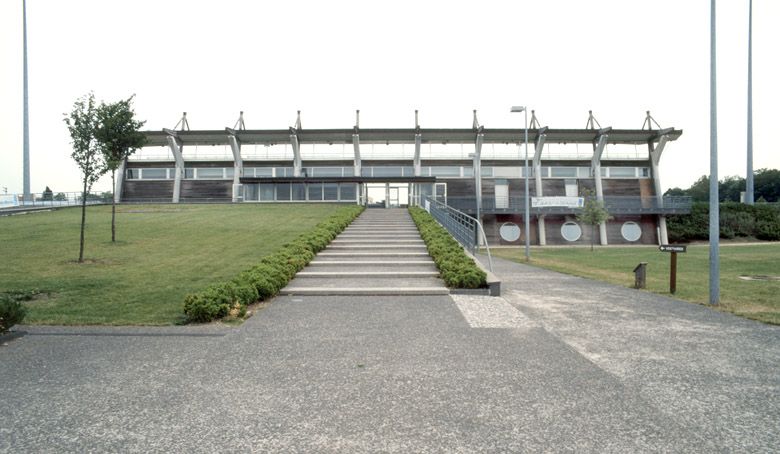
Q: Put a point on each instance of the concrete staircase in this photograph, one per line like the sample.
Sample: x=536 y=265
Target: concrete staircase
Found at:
x=380 y=253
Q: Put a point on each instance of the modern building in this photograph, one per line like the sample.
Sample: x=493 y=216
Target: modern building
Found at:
x=397 y=167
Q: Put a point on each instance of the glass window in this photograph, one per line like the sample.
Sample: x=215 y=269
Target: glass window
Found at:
x=298 y=191
x=264 y=171
x=487 y=172
x=349 y=171
x=425 y=171
x=250 y=192
x=133 y=174
x=248 y=172
x=331 y=191
x=366 y=171
x=507 y=172
x=348 y=191
x=563 y=172
x=284 y=171
x=622 y=172
x=283 y=191
x=644 y=172
x=583 y=172
x=388 y=171
x=266 y=192
x=603 y=171
x=189 y=173
x=631 y=231
x=210 y=173
x=326 y=171
x=229 y=172
x=315 y=191
x=407 y=171
x=445 y=171
x=154 y=174
x=468 y=172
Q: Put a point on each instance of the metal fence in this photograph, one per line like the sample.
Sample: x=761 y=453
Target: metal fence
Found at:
x=51 y=199
x=464 y=228
x=613 y=204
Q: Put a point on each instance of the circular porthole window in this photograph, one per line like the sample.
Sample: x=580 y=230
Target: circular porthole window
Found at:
x=631 y=231
x=570 y=231
x=509 y=231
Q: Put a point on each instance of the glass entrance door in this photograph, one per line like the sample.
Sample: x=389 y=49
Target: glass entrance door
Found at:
x=441 y=192
x=393 y=197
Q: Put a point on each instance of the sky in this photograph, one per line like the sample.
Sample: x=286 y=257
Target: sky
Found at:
x=561 y=58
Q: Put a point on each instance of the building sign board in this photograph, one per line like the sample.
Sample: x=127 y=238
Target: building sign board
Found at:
x=565 y=202
x=672 y=248
x=8 y=200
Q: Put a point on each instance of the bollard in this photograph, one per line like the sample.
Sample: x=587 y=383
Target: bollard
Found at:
x=640 y=275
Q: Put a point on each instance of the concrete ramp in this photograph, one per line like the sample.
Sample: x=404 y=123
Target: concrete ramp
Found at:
x=380 y=253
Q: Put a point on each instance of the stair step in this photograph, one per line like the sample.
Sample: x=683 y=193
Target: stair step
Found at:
x=367 y=274
x=378 y=291
x=370 y=262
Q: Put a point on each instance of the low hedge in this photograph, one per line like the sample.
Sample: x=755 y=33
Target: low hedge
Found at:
x=270 y=275
x=760 y=221
x=456 y=268
x=12 y=311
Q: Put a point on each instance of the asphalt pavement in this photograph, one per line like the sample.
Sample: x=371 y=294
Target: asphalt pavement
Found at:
x=556 y=364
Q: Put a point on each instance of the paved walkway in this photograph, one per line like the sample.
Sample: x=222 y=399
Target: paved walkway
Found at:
x=557 y=364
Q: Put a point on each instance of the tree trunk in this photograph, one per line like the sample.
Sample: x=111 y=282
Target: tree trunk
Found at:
x=592 y=236
x=113 y=206
x=83 y=220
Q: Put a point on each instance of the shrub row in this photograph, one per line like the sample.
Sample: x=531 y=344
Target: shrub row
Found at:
x=457 y=269
x=11 y=309
x=761 y=221
x=270 y=275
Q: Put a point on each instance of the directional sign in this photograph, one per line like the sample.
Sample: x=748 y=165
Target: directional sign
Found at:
x=672 y=248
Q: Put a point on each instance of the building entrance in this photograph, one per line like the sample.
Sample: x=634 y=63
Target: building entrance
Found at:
x=387 y=195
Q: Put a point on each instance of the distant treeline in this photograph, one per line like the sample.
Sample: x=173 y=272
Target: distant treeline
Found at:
x=760 y=221
x=766 y=185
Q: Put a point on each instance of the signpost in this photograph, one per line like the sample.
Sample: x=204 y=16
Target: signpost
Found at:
x=674 y=249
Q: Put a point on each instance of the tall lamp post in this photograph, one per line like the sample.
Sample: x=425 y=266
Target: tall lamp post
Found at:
x=527 y=196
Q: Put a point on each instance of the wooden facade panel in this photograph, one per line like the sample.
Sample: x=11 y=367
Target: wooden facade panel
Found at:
x=207 y=189
x=147 y=190
x=622 y=187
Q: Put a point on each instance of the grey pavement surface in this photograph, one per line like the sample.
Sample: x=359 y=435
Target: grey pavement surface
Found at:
x=556 y=364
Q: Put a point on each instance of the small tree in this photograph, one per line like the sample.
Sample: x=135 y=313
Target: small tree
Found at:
x=81 y=123
x=118 y=134
x=593 y=213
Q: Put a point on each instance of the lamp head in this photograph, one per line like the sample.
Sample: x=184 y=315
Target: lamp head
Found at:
x=517 y=109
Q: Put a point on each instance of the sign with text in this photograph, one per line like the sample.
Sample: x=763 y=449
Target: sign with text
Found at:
x=550 y=202
x=672 y=248
x=8 y=200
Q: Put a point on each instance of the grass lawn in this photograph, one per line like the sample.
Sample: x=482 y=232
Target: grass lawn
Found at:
x=162 y=253
x=758 y=300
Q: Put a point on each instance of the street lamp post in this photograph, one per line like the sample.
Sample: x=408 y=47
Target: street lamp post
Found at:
x=527 y=196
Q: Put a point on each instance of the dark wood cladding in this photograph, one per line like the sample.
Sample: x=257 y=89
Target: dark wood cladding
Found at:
x=147 y=190
x=207 y=190
x=553 y=224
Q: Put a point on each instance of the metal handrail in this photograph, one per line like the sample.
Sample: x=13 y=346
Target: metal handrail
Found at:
x=436 y=207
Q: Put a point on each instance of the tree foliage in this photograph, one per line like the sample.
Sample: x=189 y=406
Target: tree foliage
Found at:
x=593 y=213
x=766 y=184
x=119 y=135
x=82 y=122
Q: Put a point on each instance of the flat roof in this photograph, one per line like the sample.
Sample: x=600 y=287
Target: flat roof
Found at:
x=407 y=136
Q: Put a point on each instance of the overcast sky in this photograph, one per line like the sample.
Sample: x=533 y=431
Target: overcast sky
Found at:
x=559 y=57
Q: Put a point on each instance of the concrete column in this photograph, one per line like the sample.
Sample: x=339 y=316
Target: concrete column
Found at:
x=538 y=147
x=175 y=146
x=655 y=158
x=120 y=179
x=598 y=149
x=238 y=165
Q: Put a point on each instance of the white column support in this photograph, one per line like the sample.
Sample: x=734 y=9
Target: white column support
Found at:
x=537 y=162
x=477 y=167
x=175 y=145
x=356 y=145
x=238 y=163
x=417 y=147
x=598 y=150
x=655 y=158
x=120 y=178
x=297 y=163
